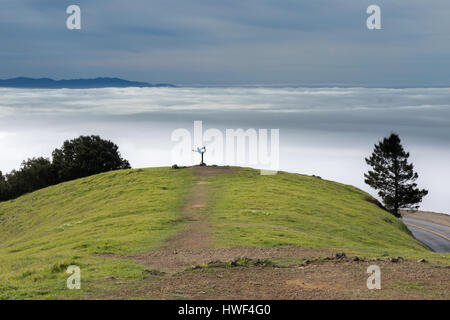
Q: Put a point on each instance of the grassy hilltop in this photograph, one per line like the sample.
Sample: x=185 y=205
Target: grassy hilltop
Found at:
x=134 y=211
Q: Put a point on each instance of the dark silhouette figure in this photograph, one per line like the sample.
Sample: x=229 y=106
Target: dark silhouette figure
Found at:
x=202 y=151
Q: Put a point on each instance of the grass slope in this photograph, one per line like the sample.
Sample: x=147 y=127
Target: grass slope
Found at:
x=132 y=211
x=291 y=209
x=121 y=212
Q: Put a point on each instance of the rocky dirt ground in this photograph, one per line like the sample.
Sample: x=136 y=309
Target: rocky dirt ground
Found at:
x=312 y=279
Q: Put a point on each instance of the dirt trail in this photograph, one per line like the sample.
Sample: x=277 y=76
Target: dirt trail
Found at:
x=197 y=235
x=193 y=245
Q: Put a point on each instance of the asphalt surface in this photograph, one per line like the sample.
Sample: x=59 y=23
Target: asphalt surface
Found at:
x=433 y=235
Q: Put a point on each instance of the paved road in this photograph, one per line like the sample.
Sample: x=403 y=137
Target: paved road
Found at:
x=435 y=236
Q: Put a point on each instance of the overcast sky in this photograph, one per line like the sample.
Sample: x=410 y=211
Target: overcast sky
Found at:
x=229 y=41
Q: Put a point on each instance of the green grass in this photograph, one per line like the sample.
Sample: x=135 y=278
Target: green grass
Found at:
x=119 y=212
x=419 y=286
x=249 y=209
x=133 y=211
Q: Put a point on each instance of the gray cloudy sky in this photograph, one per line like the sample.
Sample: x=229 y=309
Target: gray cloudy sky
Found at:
x=229 y=41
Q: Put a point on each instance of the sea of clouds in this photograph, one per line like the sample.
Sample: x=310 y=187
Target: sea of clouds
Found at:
x=323 y=131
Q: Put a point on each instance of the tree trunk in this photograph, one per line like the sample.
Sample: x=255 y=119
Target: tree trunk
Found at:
x=396 y=169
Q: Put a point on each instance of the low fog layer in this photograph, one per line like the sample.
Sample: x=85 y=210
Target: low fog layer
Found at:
x=323 y=131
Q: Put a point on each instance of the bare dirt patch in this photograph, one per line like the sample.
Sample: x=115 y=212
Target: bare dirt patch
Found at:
x=343 y=279
x=177 y=259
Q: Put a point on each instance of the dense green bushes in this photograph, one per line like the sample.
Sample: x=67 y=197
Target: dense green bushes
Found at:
x=77 y=158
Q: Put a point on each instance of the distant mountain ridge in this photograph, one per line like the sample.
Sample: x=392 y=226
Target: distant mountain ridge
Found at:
x=47 y=83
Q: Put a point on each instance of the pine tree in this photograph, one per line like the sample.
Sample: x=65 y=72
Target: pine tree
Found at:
x=393 y=176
